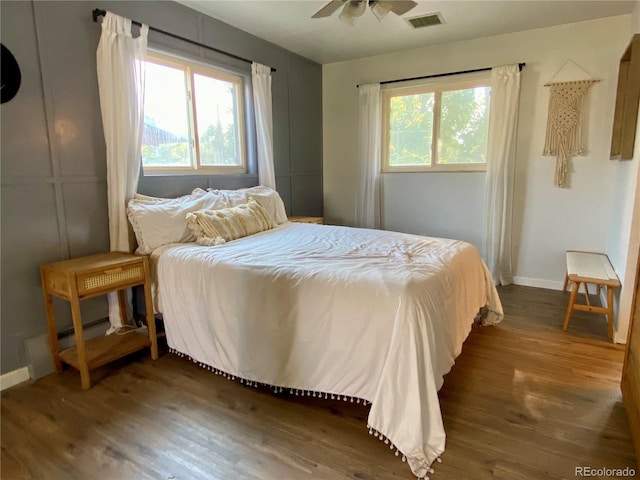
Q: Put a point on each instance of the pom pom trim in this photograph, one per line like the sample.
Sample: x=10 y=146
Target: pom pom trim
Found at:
x=308 y=393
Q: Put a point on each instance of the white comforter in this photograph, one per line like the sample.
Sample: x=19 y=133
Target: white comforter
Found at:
x=370 y=314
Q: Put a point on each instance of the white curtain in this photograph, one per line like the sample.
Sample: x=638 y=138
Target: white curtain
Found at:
x=368 y=197
x=120 y=61
x=261 y=80
x=501 y=152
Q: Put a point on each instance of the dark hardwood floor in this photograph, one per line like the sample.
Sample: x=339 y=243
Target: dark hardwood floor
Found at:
x=525 y=400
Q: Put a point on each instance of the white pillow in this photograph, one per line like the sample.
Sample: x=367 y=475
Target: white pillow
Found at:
x=265 y=196
x=214 y=227
x=158 y=223
x=139 y=197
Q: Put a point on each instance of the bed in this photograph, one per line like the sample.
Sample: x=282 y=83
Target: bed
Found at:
x=357 y=314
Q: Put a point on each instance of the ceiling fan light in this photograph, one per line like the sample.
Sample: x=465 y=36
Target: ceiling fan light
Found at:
x=358 y=7
x=380 y=9
x=346 y=16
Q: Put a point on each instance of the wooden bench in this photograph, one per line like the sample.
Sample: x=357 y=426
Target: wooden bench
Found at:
x=594 y=268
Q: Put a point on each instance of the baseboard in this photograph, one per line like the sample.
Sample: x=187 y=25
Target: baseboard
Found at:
x=553 y=285
x=537 y=282
x=15 y=377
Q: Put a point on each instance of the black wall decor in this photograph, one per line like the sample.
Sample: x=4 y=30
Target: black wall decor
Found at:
x=10 y=76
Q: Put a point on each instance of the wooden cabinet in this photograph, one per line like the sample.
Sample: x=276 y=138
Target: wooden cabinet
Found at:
x=626 y=113
x=630 y=384
x=87 y=277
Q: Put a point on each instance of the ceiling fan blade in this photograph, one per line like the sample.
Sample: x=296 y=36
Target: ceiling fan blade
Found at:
x=328 y=9
x=379 y=8
x=400 y=7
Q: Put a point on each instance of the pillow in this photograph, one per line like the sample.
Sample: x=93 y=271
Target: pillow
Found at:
x=265 y=196
x=214 y=227
x=271 y=201
x=139 y=197
x=158 y=223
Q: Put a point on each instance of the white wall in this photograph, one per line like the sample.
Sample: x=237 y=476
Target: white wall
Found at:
x=438 y=205
x=547 y=220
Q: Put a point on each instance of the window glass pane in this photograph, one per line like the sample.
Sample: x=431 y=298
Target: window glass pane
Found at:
x=411 y=128
x=165 y=138
x=464 y=125
x=217 y=120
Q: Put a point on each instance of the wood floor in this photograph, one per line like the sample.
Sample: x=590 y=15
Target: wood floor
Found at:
x=524 y=401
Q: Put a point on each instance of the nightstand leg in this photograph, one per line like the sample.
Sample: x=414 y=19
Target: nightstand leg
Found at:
x=80 y=349
x=53 y=332
x=148 y=305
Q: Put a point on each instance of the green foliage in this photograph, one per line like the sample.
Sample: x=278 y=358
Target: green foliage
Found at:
x=166 y=154
x=411 y=129
x=463 y=128
x=218 y=143
x=464 y=124
x=218 y=146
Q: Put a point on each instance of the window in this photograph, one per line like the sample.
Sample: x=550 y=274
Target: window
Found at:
x=456 y=116
x=193 y=119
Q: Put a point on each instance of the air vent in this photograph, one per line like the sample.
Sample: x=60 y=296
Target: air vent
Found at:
x=429 y=20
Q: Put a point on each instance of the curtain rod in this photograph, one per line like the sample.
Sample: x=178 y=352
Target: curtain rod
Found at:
x=101 y=13
x=520 y=66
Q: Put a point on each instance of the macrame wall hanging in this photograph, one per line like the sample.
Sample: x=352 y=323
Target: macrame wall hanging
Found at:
x=566 y=123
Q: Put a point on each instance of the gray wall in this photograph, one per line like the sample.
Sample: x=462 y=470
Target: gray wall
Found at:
x=53 y=194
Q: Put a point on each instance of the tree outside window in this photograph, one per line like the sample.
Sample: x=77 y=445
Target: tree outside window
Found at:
x=457 y=116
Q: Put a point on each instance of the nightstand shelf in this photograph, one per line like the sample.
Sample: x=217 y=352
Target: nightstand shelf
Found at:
x=102 y=350
x=81 y=278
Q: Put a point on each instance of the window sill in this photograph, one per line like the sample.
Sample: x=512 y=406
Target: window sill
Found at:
x=437 y=169
x=175 y=172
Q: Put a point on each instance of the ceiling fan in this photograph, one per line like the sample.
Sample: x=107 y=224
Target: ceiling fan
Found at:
x=356 y=8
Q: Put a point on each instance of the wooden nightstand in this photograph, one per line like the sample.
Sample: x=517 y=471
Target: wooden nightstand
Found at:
x=316 y=220
x=86 y=277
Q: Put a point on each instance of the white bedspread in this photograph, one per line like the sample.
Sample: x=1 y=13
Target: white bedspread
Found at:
x=370 y=314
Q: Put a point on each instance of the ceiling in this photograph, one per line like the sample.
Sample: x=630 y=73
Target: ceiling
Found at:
x=287 y=23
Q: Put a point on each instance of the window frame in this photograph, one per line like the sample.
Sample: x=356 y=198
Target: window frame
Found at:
x=437 y=88
x=192 y=67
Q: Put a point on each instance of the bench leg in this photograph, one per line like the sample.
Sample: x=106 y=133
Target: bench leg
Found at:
x=572 y=299
x=566 y=282
x=586 y=293
x=610 y=311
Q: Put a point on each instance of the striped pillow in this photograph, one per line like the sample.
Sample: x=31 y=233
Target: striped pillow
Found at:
x=214 y=227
